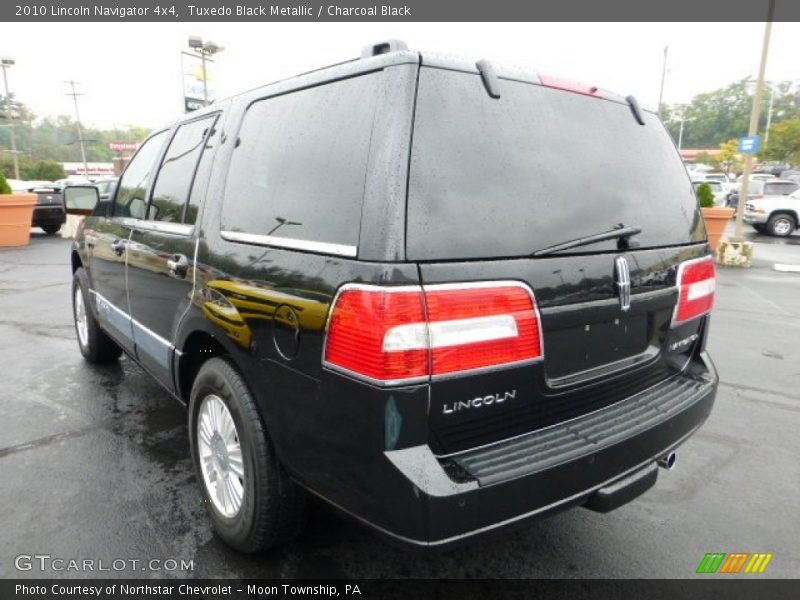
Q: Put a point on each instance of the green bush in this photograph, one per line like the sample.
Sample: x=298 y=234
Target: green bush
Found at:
x=705 y=196
x=4 y=187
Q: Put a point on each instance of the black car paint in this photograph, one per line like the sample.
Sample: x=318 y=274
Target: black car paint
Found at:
x=266 y=308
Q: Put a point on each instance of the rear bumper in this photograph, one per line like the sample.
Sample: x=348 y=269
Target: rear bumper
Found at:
x=48 y=214
x=486 y=490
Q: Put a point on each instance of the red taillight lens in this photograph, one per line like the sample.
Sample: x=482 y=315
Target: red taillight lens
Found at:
x=382 y=333
x=478 y=326
x=360 y=321
x=696 y=284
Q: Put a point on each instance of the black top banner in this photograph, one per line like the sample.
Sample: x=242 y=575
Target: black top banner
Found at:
x=399 y=10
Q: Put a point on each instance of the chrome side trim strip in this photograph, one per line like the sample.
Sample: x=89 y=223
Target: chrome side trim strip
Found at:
x=164 y=227
x=114 y=306
x=152 y=333
x=134 y=322
x=290 y=243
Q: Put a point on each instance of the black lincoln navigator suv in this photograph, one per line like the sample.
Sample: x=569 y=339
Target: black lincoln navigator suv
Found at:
x=443 y=296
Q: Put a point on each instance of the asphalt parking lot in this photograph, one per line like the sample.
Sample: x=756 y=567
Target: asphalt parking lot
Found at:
x=94 y=461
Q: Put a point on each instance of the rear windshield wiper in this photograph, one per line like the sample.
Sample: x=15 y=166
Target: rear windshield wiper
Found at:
x=620 y=233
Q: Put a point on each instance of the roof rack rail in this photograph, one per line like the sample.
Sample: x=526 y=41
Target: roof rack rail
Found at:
x=383 y=48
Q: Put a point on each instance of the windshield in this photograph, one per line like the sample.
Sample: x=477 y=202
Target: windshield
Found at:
x=535 y=168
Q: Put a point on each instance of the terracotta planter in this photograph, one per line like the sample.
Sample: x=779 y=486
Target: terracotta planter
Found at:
x=16 y=214
x=717 y=220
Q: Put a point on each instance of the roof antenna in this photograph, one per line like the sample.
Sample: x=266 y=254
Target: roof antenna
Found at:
x=490 y=79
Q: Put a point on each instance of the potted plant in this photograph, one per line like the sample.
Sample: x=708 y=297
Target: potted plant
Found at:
x=16 y=215
x=716 y=217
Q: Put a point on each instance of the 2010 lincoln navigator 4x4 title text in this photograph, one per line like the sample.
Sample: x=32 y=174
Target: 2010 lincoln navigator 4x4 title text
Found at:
x=382 y=284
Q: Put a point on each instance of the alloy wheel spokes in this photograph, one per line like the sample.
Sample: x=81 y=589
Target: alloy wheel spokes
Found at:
x=220 y=454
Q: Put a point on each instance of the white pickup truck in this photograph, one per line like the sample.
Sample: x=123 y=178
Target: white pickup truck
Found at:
x=774 y=215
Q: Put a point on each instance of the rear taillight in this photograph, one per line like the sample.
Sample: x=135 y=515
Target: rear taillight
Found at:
x=696 y=283
x=392 y=335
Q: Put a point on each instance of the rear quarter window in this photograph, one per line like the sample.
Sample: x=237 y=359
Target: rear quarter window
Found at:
x=300 y=164
x=537 y=167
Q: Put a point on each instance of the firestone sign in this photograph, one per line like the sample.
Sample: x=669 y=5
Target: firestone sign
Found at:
x=124 y=146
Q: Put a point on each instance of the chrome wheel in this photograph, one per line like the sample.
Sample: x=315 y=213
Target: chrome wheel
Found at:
x=81 y=322
x=220 y=456
x=782 y=226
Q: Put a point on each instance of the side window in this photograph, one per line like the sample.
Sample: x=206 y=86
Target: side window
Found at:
x=199 y=185
x=130 y=198
x=174 y=179
x=300 y=164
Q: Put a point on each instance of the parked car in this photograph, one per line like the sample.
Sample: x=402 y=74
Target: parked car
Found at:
x=421 y=334
x=722 y=178
x=773 y=168
x=791 y=175
x=49 y=213
x=774 y=215
x=760 y=188
x=719 y=192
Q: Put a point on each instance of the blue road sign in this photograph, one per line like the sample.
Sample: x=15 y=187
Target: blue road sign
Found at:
x=749 y=144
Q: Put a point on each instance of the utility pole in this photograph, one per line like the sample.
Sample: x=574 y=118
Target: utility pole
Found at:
x=663 y=78
x=75 y=95
x=754 y=117
x=6 y=63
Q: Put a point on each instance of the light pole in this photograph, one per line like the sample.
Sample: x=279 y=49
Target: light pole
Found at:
x=754 y=116
x=663 y=78
x=681 y=119
x=6 y=63
x=206 y=51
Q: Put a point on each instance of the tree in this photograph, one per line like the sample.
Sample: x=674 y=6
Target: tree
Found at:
x=46 y=170
x=728 y=158
x=713 y=117
x=784 y=142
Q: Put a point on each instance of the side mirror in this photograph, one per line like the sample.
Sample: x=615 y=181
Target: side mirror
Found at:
x=81 y=199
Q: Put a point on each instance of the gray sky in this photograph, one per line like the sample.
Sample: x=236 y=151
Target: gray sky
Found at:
x=131 y=72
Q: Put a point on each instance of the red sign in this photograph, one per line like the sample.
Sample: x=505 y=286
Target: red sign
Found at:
x=123 y=146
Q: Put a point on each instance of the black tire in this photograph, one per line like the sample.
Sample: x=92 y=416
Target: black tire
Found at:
x=51 y=229
x=760 y=228
x=273 y=509
x=98 y=347
x=781 y=225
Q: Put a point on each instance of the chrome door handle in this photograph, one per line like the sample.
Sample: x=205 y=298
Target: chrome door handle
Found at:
x=178 y=265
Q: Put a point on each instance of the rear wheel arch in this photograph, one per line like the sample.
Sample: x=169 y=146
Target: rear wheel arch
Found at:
x=197 y=349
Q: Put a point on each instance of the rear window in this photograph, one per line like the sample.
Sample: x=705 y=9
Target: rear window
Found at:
x=537 y=167
x=300 y=164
